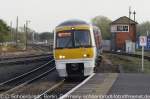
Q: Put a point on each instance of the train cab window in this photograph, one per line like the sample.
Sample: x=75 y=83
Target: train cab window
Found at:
x=82 y=38
x=64 y=40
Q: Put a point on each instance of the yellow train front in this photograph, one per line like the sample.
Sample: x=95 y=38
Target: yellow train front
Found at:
x=75 y=49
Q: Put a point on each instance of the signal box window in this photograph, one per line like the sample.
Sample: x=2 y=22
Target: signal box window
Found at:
x=122 y=28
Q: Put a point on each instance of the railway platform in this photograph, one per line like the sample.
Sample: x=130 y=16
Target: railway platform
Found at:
x=113 y=86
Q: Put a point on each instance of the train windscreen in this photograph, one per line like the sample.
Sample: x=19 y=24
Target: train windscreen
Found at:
x=73 y=39
x=82 y=38
x=64 y=40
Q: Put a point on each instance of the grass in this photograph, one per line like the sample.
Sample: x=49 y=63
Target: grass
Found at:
x=146 y=53
x=129 y=64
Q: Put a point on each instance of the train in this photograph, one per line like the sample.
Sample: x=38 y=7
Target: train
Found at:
x=77 y=48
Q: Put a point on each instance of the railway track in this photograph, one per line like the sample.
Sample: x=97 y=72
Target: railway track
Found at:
x=129 y=54
x=28 y=56
x=41 y=47
x=23 y=59
x=26 y=78
x=60 y=89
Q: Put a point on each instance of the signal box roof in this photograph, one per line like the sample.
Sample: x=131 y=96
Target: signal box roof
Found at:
x=124 y=20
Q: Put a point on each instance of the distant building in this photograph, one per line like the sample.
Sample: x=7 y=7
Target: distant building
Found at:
x=123 y=29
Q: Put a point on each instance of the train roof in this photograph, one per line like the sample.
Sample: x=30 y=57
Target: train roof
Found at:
x=73 y=23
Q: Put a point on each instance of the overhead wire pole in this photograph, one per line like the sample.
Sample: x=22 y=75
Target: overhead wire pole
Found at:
x=134 y=13
x=27 y=21
x=25 y=36
x=16 y=32
x=11 y=33
x=129 y=22
x=129 y=38
x=130 y=13
x=33 y=37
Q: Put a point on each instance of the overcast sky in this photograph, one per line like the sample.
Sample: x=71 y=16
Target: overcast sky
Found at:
x=46 y=14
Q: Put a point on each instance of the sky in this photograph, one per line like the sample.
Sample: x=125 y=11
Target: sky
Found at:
x=44 y=15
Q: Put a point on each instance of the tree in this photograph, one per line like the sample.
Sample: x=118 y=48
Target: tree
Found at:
x=4 y=31
x=46 y=36
x=3 y=27
x=104 y=24
x=143 y=28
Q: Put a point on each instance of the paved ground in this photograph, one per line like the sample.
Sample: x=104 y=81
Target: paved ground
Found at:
x=99 y=84
x=114 y=86
x=131 y=84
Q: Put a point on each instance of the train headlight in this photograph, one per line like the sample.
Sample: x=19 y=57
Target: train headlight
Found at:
x=62 y=57
x=84 y=55
x=72 y=28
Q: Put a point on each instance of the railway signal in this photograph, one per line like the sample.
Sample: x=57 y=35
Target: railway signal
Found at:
x=143 y=42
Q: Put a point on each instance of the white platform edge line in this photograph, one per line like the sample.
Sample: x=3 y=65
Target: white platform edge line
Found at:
x=75 y=88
